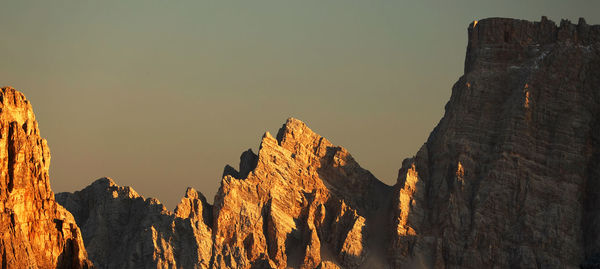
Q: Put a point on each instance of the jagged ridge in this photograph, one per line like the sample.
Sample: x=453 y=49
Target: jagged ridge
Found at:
x=508 y=178
x=122 y=229
x=301 y=202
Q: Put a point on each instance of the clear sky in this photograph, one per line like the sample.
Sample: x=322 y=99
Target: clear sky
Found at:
x=160 y=95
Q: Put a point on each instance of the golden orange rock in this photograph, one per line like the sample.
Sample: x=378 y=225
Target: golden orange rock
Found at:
x=36 y=231
x=508 y=179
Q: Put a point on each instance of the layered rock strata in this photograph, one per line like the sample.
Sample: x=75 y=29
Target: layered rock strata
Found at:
x=510 y=177
x=36 y=232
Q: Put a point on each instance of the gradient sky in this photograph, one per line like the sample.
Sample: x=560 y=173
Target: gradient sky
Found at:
x=160 y=95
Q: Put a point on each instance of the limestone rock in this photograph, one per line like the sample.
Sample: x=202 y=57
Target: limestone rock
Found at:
x=301 y=203
x=121 y=229
x=36 y=231
x=305 y=202
x=508 y=179
x=510 y=176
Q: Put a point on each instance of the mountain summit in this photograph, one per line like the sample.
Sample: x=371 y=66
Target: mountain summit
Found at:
x=36 y=231
x=301 y=202
x=509 y=178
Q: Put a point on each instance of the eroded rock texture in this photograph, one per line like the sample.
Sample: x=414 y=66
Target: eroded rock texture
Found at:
x=510 y=178
x=36 y=232
x=121 y=229
x=301 y=202
x=306 y=202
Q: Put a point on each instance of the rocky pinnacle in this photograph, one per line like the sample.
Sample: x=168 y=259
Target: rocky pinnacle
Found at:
x=509 y=178
x=36 y=231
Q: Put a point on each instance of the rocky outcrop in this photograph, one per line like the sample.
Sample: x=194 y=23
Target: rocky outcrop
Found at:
x=305 y=203
x=510 y=176
x=121 y=229
x=301 y=202
x=36 y=232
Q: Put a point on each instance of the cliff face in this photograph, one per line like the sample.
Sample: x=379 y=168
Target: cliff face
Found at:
x=301 y=202
x=36 y=231
x=510 y=176
x=508 y=179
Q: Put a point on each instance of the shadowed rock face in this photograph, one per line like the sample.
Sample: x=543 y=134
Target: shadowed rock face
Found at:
x=508 y=179
x=36 y=232
x=121 y=229
x=510 y=176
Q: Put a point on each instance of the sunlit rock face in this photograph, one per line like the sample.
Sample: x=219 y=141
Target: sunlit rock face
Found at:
x=36 y=232
x=510 y=177
x=301 y=203
x=306 y=203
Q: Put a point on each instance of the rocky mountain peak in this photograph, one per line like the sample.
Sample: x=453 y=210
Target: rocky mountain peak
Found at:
x=293 y=128
x=510 y=41
x=116 y=191
x=303 y=197
x=300 y=202
x=194 y=206
x=296 y=137
x=37 y=231
x=509 y=178
x=122 y=229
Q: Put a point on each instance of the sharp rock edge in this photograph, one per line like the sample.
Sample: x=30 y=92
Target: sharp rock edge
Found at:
x=36 y=231
x=508 y=178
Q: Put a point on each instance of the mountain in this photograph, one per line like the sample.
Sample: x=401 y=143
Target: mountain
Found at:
x=301 y=202
x=36 y=231
x=121 y=229
x=509 y=178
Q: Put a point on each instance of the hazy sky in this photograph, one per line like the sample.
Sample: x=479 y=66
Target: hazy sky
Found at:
x=160 y=95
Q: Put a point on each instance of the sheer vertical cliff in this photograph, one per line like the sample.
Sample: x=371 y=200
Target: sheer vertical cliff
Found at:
x=36 y=231
x=509 y=178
